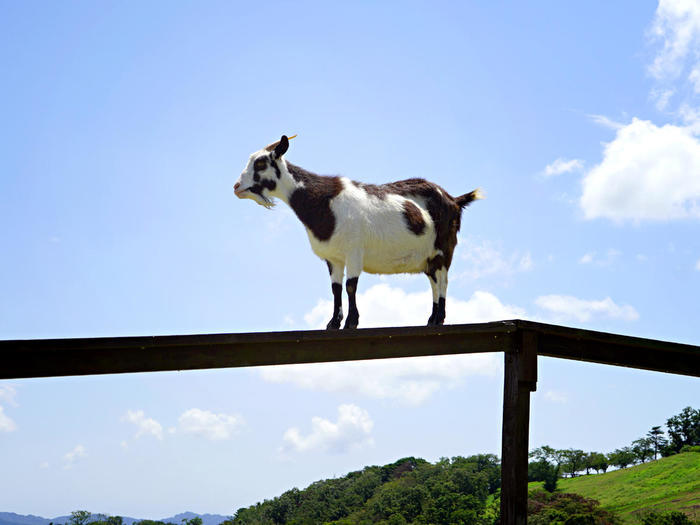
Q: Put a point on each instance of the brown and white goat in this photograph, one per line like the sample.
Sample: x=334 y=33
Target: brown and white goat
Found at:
x=409 y=226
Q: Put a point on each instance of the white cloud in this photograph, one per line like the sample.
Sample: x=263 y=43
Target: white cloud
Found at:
x=566 y=307
x=486 y=258
x=352 y=430
x=647 y=173
x=662 y=97
x=384 y=305
x=8 y=394
x=691 y=118
x=607 y=260
x=411 y=380
x=555 y=397
x=44 y=465
x=209 y=425
x=144 y=425
x=73 y=456
x=677 y=25
x=606 y=122
x=676 y=66
x=6 y=424
x=697 y=265
x=587 y=258
x=561 y=165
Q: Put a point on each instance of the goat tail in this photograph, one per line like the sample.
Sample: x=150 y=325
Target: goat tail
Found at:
x=465 y=200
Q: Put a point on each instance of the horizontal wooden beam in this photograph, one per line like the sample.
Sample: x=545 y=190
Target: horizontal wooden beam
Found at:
x=612 y=349
x=113 y=355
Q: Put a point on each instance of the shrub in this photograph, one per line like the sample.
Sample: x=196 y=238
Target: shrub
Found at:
x=666 y=518
x=546 y=508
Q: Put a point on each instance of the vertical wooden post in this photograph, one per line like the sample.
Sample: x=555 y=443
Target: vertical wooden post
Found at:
x=520 y=378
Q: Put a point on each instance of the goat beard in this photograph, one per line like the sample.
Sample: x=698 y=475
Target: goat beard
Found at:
x=266 y=202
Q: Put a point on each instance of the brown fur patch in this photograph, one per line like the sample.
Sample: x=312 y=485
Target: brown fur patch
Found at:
x=445 y=210
x=312 y=202
x=413 y=217
x=435 y=264
x=372 y=189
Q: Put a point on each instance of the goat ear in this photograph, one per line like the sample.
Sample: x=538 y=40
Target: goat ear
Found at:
x=282 y=146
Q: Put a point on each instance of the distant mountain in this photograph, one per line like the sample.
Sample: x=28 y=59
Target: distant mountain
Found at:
x=207 y=519
x=10 y=518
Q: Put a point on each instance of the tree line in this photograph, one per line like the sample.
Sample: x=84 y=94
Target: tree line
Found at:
x=84 y=517
x=682 y=432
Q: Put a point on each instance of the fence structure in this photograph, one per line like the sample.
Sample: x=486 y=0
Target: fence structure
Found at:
x=520 y=341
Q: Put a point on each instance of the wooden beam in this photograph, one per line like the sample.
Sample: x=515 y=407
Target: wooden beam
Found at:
x=520 y=378
x=614 y=349
x=62 y=357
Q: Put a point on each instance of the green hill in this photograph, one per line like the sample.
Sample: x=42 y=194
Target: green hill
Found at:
x=671 y=483
x=411 y=490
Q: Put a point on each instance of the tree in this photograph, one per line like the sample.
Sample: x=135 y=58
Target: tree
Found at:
x=642 y=449
x=598 y=461
x=657 y=439
x=573 y=460
x=684 y=429
x=621 y=457
x=79 y=517
x=544 y=453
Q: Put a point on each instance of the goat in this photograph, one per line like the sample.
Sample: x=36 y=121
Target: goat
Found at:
x=409 y=226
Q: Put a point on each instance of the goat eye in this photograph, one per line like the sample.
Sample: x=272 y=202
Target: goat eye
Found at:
x=256 y=177
x=260 y=164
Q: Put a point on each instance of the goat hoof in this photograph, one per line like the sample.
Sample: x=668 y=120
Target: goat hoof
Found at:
x=334 y=324
x=351 y=322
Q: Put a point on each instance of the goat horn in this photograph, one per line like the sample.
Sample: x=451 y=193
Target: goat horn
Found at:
x=272 y=146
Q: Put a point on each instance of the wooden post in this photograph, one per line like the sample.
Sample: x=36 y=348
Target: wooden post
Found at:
x=520 y=378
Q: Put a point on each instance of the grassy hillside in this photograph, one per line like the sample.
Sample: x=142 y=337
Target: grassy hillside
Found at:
x=671 y=483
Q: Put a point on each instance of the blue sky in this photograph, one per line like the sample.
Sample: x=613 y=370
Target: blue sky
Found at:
x=125 y=126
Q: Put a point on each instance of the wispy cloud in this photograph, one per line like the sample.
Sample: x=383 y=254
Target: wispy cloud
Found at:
x=676 y=66
x=608 y=259
x=556 y=397
x=486 y=258
x=72 y=457
x=562 y=165
x=570 y=308
x=209 y=425
x=6 y=423
x=8 y=395
x=676 y=26
x=145 y=426
x=697 y=265
x=606 y=122
x=352 y=429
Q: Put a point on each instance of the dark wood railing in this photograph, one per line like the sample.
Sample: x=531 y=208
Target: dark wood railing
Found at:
x=521 y=342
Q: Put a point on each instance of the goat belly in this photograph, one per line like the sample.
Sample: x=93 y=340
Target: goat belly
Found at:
x=409 y=256
x=400 y=252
